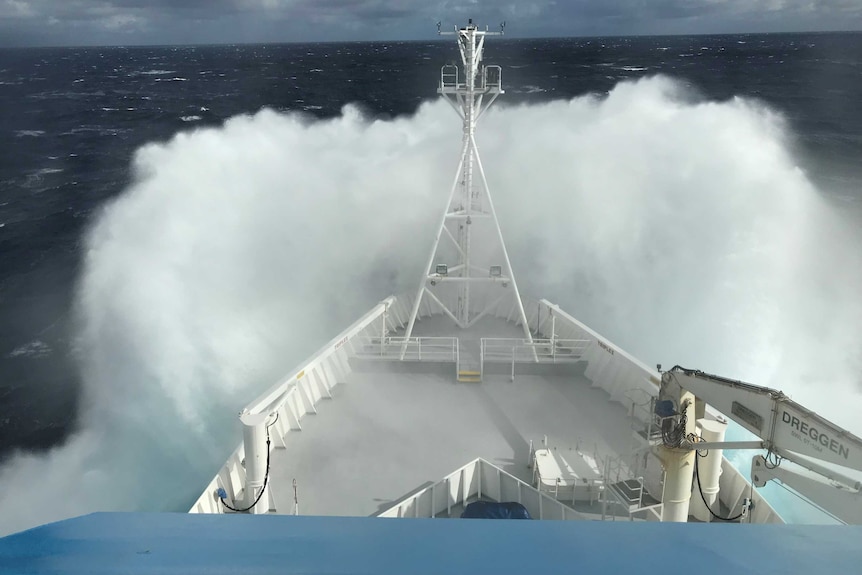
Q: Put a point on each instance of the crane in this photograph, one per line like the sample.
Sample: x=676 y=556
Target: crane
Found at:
x=786 y=430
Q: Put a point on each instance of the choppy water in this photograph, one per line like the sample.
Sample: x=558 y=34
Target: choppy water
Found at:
x=71 y=120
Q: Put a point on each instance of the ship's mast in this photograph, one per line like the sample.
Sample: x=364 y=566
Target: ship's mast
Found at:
x=477 y=272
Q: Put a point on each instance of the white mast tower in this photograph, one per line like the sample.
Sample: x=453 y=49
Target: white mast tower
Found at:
x=470 y=275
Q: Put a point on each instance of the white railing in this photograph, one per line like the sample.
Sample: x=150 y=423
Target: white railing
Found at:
x=630 y=382
x=472 y=482
x=512 y=351
x=490 y=78
x=343 y=344
x=504 y=350
x=298 y=394
x=449 y=77
x=442 y=349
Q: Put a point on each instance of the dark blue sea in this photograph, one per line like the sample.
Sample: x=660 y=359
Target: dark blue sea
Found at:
x=71 y=120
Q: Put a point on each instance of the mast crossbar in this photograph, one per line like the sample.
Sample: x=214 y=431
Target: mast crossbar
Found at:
x=466 y=277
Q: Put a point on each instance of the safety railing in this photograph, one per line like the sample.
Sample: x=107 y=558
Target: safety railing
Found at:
x=449 y=77
x=630 y=382
x=479 y=480
x=491 y=78
x=539 y=350
x=298 y=394
x=512 y=351
x=442 y=349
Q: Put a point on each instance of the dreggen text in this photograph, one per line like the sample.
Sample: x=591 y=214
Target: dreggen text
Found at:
x=814 y=437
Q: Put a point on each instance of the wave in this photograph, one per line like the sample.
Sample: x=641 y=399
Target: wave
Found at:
x=683 y=230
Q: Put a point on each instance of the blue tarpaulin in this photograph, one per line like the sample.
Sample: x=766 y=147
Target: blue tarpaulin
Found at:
x=495 y=510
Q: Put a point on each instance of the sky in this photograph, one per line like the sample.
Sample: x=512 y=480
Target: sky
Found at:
x=128 y=22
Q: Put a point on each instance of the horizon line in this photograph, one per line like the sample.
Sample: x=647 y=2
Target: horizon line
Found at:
x=415 y=40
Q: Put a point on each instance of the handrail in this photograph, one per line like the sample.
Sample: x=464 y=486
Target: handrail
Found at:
x=492 y=77
x=267 y=401
x=539 y=350
x=449 y=71
x=408 y=349
x=479 y=480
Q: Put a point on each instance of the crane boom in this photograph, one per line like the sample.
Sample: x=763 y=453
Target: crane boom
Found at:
x=782 y=423
x=836 y=498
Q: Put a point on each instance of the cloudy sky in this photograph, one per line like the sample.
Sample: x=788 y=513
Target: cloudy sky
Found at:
x=74 y=22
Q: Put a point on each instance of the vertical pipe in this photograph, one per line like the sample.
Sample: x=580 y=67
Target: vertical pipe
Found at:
x=383 y=325
x=553 y=328
x=679 y=470
x=256 y=456
x=709 y=470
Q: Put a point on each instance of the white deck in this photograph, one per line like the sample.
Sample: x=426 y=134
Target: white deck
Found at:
x=384 y=435
x=394 y=427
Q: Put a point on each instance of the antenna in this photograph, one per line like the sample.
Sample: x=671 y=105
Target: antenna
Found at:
x=468 y=275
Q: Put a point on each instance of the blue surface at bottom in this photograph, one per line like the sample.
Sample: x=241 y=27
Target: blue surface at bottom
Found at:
x=183 y=543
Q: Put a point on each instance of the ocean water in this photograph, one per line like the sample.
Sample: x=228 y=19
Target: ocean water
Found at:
x=167 y=247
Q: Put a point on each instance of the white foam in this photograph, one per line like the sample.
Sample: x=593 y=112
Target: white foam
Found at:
x=682 y=231
x=33 y=349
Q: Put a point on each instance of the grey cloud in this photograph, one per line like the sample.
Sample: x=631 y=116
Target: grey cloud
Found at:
x=190 y=21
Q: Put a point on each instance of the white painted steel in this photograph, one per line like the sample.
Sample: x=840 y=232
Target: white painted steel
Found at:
x=295 y=397
x=440 y=349
x=734 y=486
x=779 y=421
x=470 y=282
x=292 y=399
x=828 y=472
x=702 y=445
x=708 y=470
x=275 y=397
x=477 y=480
x=839 y=500
x=256 y=458
x=505 y=350
x=679 y=469
x=568 y=475
x=629 y=381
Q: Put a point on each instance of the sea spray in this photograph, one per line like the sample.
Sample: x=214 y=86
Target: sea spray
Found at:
x=681 y=229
